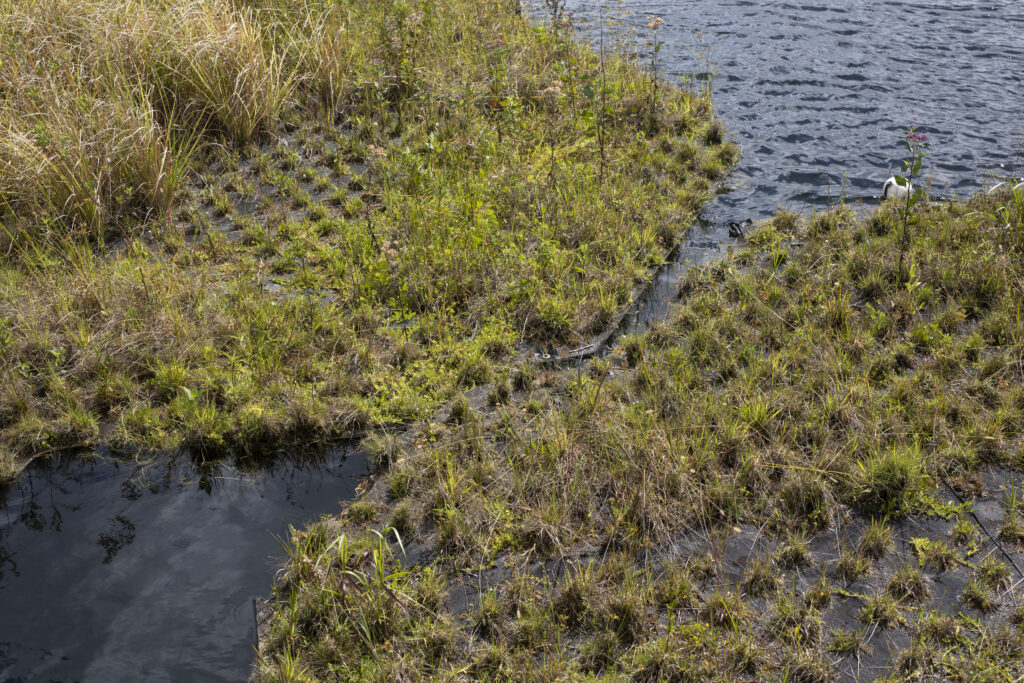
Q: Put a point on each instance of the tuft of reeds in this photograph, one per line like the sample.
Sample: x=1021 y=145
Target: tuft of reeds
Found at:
x=106 y=101
x=219 y=63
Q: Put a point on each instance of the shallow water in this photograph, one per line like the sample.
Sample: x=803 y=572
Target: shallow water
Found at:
x=113 y=572
x=817 y=94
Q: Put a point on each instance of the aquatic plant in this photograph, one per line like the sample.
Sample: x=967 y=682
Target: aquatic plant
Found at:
x=916 y=143
x=654 y=46
x=242 y=228
x=762 y=439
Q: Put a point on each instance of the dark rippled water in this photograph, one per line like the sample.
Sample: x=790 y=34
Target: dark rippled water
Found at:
x=117 y=572
x=817 y=93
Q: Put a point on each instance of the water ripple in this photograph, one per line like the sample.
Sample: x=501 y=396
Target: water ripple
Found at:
x=819 y=94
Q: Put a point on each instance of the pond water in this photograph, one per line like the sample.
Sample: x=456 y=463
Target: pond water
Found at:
x=817 y=93
x=114 y=572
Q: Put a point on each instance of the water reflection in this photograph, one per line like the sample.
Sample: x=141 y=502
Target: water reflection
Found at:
x=115 y=569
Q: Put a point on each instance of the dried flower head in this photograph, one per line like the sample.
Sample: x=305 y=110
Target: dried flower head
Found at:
x=555 y=89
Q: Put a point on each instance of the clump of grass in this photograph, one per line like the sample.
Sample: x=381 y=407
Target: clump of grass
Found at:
x=891 y=481
x=908 y=584
x=877 y=541
x=794 y=622
x=940 y=629
x=625 y=615
x=883 y=610
x=633 y=345
x=761 y=579
x=725 y=609
x=95 y=161
x=979 y=596
x=402 y=522
x=675 y=588
x=461 y=411
x=361 y=512
x=574 y=595
x=819 y=596
x=849 y=642
x=794 y=552
x=808 y=666
x=599 y=651
x=658 y=660
x=399 y=481
x=1012 y=528
x=916 y=659
x=523 y=377
x=964 y=532
x=993 y=573
x=936 y=554
x=804 y=499
x=381 y=450
x=219 y=65
x=499 y=393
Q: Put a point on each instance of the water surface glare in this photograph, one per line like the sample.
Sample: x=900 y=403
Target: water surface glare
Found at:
x=113 y=572
x=817 y=93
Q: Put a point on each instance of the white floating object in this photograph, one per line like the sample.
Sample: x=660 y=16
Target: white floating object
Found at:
x=892 y=189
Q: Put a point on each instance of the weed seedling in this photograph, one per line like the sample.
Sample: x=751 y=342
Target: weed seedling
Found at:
x=916 y=144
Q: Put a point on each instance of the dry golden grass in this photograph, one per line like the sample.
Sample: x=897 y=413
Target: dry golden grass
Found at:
x=105 y=101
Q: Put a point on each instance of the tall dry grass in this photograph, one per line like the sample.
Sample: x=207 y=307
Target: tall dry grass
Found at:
x=84 y=160
x=105 y=100
x=323 y=48
x=220 y=63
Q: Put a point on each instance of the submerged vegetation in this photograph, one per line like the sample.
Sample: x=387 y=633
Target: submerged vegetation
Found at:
x=723 y=497
x=231 y=227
